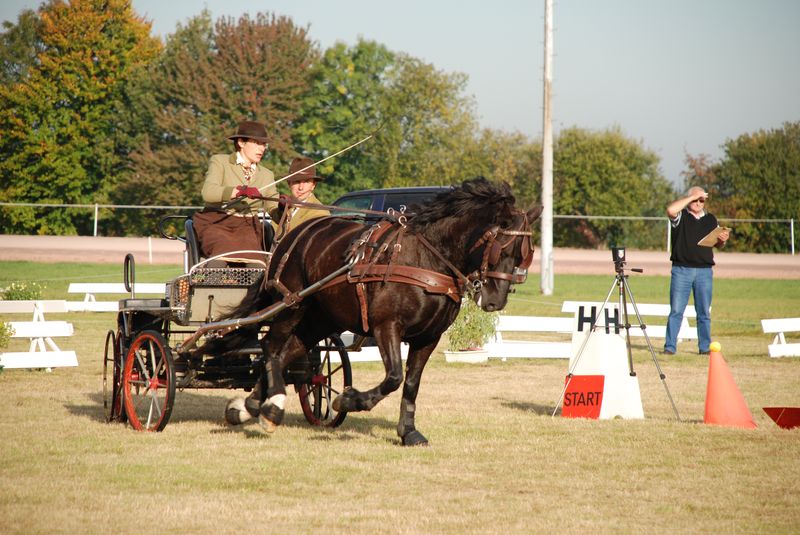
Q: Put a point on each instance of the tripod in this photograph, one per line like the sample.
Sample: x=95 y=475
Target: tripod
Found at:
x=621 y=283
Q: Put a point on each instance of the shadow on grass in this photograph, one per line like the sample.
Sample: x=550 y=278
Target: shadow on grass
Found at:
x=538 y=409
x=191 y=407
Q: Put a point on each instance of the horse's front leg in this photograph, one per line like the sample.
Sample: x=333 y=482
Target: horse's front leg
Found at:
x=351 y=400
x=406 y=430
x=272 y=409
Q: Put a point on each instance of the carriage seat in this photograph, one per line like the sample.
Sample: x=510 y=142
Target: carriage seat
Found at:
x=193 y=248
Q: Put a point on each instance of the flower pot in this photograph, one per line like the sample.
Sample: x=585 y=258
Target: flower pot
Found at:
x=472 y=356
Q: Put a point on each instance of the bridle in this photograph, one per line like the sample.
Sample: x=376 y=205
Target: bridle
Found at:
x=493 y=249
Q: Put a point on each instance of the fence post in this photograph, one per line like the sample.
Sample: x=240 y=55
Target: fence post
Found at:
x=95 y=219
x=791 y=233
x=669 y=236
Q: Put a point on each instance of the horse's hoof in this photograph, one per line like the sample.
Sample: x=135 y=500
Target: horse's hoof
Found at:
x=252 y=405
x=415 y=438
x=270 y=417
x=236 y=412
x=341 y=403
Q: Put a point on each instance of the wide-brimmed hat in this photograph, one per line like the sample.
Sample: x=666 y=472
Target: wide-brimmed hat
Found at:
x=250 y=130
x=300 y=163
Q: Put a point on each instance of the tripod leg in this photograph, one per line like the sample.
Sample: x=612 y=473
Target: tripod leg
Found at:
x=623 y=310
x=650 y=348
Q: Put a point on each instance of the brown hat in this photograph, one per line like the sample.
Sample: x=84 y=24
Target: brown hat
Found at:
x=300 y=163
x=250 y=130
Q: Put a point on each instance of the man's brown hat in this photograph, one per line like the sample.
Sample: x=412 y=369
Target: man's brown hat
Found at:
x=300 y=163
x=250 y=130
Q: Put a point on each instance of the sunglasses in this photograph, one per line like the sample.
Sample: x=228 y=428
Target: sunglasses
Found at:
x=701 y=201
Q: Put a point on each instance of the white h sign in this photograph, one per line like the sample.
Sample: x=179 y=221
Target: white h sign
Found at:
x=603 y=351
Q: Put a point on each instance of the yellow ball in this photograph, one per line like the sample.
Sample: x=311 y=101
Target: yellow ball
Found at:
x=714 y=346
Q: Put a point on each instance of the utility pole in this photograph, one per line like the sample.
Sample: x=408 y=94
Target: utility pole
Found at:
x=547 y=157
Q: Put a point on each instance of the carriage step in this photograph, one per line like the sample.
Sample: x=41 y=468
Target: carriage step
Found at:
x=150 y=304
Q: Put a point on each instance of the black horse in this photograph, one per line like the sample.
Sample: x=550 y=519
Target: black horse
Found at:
x=405 y=283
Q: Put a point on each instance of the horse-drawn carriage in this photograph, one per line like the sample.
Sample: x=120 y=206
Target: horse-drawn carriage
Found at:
x=145 y=365
x=261 y=328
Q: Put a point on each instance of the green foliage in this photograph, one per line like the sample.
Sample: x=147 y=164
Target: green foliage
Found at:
x=757 y=178
x=605 y=173
x=61 y=142
x=6 y=331
x=22 y=291
x=19 y=47
x=472 y=328
x=344 y=104
x=210 y=77
x=424 y=123
x=429 y=123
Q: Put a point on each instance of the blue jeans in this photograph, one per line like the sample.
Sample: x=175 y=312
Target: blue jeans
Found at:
x=699 y=282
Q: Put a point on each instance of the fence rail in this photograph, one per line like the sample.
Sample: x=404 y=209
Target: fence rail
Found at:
x=96 y=208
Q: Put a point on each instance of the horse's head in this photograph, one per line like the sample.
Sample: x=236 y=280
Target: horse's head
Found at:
x=503 y=253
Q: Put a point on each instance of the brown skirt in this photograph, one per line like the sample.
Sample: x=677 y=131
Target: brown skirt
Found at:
x=218 y=233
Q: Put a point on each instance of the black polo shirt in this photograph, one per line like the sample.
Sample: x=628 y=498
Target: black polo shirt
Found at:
x=685 y=235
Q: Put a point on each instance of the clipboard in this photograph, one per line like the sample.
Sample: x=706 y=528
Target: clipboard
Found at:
x=710 y=239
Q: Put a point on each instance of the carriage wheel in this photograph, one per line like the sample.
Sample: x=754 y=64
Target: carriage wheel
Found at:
x=328 y=379
x=148 y=382
x=112 y=394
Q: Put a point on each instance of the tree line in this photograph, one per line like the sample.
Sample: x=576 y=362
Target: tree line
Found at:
x=97 y=110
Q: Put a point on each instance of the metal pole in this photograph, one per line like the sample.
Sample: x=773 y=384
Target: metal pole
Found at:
x=95 y=219
x=669 y=236
x=547 y=157
x=791 y=233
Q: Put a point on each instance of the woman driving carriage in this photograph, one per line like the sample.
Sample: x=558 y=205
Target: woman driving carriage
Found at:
x=237 y=177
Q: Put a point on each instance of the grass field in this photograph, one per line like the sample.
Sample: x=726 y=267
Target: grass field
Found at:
x=498 y=463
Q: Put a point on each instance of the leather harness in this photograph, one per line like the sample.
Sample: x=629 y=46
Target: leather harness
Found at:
x=383 y=241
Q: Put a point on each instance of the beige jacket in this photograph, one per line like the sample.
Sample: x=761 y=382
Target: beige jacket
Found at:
x=299 y=215
x=224 y=175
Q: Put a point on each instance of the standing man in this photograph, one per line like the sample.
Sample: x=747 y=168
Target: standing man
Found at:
x=691 y=266
x=302 y=185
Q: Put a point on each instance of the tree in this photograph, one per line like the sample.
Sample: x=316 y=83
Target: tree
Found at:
x=605 y=173
x=429 y=124
x=344 y=104
x=209 y=78
x=19 y=47
x=422 y=122
x=758 y=178
x=60 y=140
x=507 y=157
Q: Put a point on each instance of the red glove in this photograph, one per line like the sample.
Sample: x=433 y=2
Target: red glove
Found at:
x=284 y=200
x=247 y=191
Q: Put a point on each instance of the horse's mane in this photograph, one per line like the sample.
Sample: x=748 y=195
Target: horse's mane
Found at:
x=471 y=197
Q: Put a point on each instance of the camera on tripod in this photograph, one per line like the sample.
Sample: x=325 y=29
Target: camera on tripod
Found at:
x=618 y=255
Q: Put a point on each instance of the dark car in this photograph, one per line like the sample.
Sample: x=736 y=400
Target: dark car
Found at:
x=381 y=200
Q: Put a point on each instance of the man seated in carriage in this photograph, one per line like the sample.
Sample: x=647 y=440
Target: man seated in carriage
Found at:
x=238 y=177
x=302 y=180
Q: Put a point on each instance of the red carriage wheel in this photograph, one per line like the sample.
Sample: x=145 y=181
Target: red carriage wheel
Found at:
x=148 y=382
x=330 y=376
x=112 y=394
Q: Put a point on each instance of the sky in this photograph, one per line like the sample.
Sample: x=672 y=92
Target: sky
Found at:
x=680 y=76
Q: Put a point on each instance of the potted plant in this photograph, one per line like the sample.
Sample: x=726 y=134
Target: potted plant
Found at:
x=467 y=335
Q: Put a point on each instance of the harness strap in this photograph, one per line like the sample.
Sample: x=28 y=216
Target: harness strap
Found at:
x=465 y=281
x=362 y=301
x=430 y=281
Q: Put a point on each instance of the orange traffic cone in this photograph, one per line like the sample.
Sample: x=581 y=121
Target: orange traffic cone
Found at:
x=725 y=404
